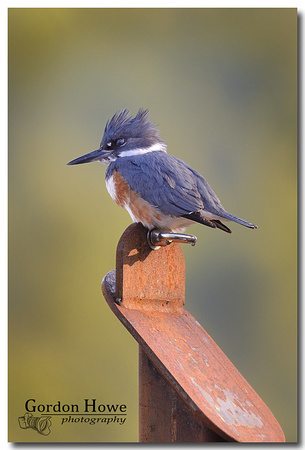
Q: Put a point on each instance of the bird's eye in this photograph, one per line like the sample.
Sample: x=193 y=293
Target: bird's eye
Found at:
x=120 y=141
x=109 y=144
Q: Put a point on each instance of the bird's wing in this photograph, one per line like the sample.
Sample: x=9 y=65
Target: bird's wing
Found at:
x=167 y=183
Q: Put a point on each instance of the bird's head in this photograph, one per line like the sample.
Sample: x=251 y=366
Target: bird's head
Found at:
x=125 y=135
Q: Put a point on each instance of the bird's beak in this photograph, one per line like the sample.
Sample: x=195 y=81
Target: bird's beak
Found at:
x=96 y=155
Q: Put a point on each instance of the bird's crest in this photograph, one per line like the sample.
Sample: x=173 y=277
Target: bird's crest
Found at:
x=124 y=124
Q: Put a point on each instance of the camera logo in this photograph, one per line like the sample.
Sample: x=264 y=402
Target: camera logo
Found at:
x=41 y=424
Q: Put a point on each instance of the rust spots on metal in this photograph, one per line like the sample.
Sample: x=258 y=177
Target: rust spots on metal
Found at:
x=201 y=389
x=179 y=423
x=146 y=279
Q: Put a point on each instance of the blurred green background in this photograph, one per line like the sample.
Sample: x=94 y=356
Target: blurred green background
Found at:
x=222 y=86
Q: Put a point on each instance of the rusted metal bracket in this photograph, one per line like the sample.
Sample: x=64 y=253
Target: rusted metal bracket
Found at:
x=189 y=391
x=158 y=238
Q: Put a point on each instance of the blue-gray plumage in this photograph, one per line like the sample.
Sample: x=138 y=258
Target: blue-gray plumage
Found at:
x=156 y=188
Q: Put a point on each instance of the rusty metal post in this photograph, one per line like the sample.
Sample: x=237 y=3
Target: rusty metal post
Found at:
x=163 y=416
x=189 y=390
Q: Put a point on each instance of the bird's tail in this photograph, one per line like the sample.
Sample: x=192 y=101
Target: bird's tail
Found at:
x=236 y=219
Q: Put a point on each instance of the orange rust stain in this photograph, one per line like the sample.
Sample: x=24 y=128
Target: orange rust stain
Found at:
x=133 y=252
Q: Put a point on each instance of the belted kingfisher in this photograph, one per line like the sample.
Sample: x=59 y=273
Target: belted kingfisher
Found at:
x=157 y=189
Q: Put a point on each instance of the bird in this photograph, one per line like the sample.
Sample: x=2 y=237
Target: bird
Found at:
x=158 y=190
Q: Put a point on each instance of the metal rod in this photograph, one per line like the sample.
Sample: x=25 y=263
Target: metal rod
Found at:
x=158 y=238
